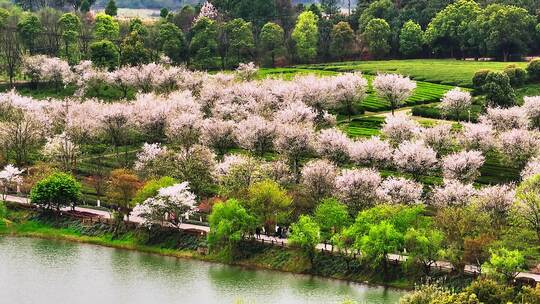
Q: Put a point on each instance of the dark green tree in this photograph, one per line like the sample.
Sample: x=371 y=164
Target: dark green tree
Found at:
x=85 y=6
x=29 y=28
x=342 y=40
x=172 y=42
x=164 y=12
x=70 y=25
x=132 y=50
x=272 y=39
x=377 y=37
x=204 y=44
x=111 y=9
x=498 y=90
x=104 y=54
x=240 y=41
x=411 y=39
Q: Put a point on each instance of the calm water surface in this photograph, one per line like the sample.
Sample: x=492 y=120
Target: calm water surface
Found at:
x=47 y=272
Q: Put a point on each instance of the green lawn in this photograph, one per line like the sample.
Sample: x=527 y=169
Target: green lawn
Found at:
x=443 y=71
x=531 y=89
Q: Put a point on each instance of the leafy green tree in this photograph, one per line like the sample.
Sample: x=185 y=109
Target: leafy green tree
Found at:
x=204 y=43
x=29 y=28
x=487 y=291
x=380 y=9
x=508 y=29
x=377 y=36
x=4 y=15
x=85 y=6
x=382 y=239
x=111 y=9
x=133 y=51
x=305 y=234
x=104 y=54
x=172 y=42
x=184 y=18
x=330 y=7
x=269 y=203
x=533 y=69
x=272 y=40
x=498 y=90
x=526 y=209
x=424 y=246
x=229 y=224
x=56 y=191
x=106 y=28
x=504 y=264
x=163 y=12
x=70 y=25
x=122 y=188
x=151 y=188
x=306 y=36
x=240 y=39
x=331 y=216
x=448 y=28
x=411 y=39
x=342 y=40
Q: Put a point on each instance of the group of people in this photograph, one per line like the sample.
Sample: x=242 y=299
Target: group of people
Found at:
x=280 y=232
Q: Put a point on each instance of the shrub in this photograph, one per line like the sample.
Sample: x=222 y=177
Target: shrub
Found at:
x=516 y=74
x=498 y=90
x=490 y=292
x=534 y=69
x=55 y=191
x=479 y=79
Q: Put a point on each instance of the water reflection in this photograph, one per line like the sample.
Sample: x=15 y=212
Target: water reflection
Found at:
x=40 y=271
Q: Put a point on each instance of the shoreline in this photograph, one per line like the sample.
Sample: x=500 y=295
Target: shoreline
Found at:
x=184 y=254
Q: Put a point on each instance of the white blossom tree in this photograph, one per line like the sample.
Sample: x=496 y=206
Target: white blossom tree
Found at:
x=372 y=152
x=333 y=144
x=478 y=136
x=256 y=134
x=294 y=142
x=463 y=166
x=453 y=193
x=518 y=146
x=415 y=157
x=318 y=178
x=400 y=128
x=455 y=102
x=505 y=119
x=393 y=88
x=399 y=190
x=10 y=177
x=358 y=188
x=63 y=151
x=439 y=137
x=532 y=108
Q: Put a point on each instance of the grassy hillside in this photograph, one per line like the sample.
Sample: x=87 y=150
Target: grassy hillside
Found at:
x=443 y=71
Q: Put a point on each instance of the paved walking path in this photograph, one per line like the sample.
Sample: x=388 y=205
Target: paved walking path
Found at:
x=269 y=239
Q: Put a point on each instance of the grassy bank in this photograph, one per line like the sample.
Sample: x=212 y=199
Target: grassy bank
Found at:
x=27 y=223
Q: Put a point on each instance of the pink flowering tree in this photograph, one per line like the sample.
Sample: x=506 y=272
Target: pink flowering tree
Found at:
x=333 y=145
x=518 y=146
x=10 y=177
x=349 y=90
x=453 y=193
x=505 y=119
x=358 y=188
x=247 y=71
x=372 y=152
x=455 y=102
x=207 y=11
x=478 y=137
x=184 y=129
x=398 y=190
x=463 y=166
x=399 y=128
x=532 y=108
x=236 y=173
x=415 y=157
x=294 y=142
x=170 y=205
x=318 y=178
x=218 y=134
x=439 y=137
x=531 y=169
x=255 y=134
x=149 y=161
x=63 y=151
x=393 y=88
x=296 y=113
x=497 y=201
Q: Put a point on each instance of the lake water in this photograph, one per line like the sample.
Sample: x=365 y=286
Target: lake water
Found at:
x=46 y=272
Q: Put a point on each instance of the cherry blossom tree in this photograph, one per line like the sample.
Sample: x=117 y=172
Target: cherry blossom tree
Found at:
x=10 y=177
x=505 y=119
x=170 y=205
x=318 y=178
x=184 y=129
x=350 y=90
x=294 y=142
x=255 y=134
x=439 y=137
x=247 y=71
x=399 y=128
x=333 y=145
x=518 y=146
x=531 y=169
x=532 y=108
x=236 y=173
x=63 y=151
x=463 y=166
x=453 y=193
x=393 y=88
x=372 y=152
x=398 y=190
x=415 y=157
x=358 y=188
x=455 y=102
x=148 y=159
x=296 y=113
x=478 y=136
x=497 y=200
x=218 y=134
x=207 y=11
